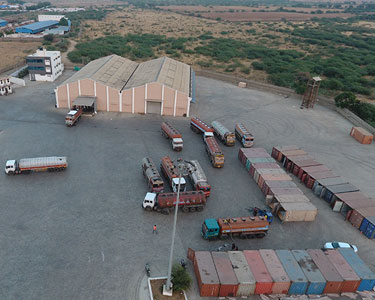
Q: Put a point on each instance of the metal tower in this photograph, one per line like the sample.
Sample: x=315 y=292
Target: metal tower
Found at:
x=311 y=94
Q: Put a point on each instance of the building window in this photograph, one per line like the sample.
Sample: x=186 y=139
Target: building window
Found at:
x=48 y=69
x=36 y=68
x=48 y=62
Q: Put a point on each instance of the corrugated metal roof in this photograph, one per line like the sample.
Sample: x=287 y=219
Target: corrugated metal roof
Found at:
x=39 y=25
x=121 y=73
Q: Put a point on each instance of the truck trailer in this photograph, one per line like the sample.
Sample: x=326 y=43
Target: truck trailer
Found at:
x=26 y=165
x=189 y=201
x=154 y=180
x=72 y=117
x=244 y=135
x=243 y=227
x=227 y=137
x=169 y=132
x=214 y=152
x=170 y=171
x=198 y=178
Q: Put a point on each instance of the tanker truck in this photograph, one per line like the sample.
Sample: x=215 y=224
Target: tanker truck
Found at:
x=169 y=132
x=198 y=126
x=244 y=227
x=227 y=137
x=244 y=135
x=170 y=171
x=26 y=165
x=214 y=152
x=198 y=178
x=154 y=180
x=164 y=202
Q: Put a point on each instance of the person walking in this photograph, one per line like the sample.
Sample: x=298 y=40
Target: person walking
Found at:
x=255 y=211
x=154 y=230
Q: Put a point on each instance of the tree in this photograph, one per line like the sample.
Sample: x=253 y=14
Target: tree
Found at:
x=63 y=22
x=49 y=37
x=346 y=100
x=180 y=278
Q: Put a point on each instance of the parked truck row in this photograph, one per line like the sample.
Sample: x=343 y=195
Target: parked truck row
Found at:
x=27 y=165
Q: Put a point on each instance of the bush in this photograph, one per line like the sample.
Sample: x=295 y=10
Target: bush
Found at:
x=49 y=37
x=346 y=100
x=23 y=73
x=257 y=65
x=63 y=22
x=180 y=278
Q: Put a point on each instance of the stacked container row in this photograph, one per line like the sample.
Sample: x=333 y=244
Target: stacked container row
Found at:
x=294 y=272
x=342 y=196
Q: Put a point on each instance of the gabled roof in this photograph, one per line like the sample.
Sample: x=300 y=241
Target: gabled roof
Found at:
x=121 y=73
x=39 y=25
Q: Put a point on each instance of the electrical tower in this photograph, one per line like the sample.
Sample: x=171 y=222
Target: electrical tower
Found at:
x=311 y=94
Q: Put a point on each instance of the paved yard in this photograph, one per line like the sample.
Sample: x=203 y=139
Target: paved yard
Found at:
x=82 y=234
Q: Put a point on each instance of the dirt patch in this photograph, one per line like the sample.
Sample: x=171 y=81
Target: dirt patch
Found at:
x=16 y=53
x=157 y=291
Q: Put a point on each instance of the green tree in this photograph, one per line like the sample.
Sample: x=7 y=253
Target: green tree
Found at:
x=49 y=37
x=63 y=22
x=180 y=278
x=346 y=100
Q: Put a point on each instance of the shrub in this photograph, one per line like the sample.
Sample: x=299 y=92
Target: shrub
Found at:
x=23 y=73
x=346 y=100
x=49 y=37
x=180 y=278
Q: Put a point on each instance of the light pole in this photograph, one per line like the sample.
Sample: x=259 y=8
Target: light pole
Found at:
x=167 y=288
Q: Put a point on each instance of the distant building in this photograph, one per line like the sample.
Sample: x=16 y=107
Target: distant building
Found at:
x=36 y=27
x=5 y=86
x=3 y=23
x=44 y=65
x=59 y=30
x=57 y=18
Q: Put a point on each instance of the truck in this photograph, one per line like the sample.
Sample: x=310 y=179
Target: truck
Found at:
x=170 y=172
x=154 y=180
x=198 y=126
x=198 y=178
x=169 y=132
x=244 y=227
x=27 y=165
x=189 y=201
x=73 y=116
x=244 y=135
x=227 y=137
x=214 y=152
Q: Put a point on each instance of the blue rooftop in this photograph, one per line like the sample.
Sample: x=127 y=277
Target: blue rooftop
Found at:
x=36 y=27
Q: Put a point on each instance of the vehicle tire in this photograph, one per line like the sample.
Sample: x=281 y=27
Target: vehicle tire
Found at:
x=250 y=236
x=192 y=209
x=11 y=173
x=260 y=235
x=223 y=236
x=148 y=208
x=243 y=236
x=185 y=209
x=165 y=211
x=200 y=208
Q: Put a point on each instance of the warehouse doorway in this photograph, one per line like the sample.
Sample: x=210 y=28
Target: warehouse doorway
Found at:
x=153 y=107
x=88 y=104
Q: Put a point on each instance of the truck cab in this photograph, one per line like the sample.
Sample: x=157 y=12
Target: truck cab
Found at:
x=202 y=186
x=208 y=134
x=247 y=141
x=11 y=166
x=210 y=229
x=149 y=201
x=177 y=144
x=182 y=184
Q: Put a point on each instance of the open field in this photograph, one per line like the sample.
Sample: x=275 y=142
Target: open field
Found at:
x=15 y=53
x=82 y=234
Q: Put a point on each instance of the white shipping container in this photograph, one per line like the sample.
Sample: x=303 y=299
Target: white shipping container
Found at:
x=244 y=275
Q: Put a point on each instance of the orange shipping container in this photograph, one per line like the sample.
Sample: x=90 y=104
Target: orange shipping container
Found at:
x=361 y=135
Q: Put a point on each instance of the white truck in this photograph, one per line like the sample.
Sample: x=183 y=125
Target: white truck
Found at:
x=223 y=133
x=26 y=165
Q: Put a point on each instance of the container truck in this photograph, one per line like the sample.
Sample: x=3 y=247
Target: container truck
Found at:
x=227 y=137
x=214 y=152
x=170 y=171
x=244 y=135
x=26 y=165
x=189 y=201
x=169 y=132
x=198 y=178
x=243 y=227
x=73 y=116
x=154 y=180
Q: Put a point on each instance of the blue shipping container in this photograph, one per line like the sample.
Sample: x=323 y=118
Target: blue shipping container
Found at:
x=363 y=226
x=317 y=282
x=362 y=270
x=370 y=230
x=253 y=160
x=298 y=280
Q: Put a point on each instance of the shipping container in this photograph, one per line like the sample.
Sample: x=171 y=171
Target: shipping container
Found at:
x=285 y=191
x=347 y=198
x=369 y=232
x=312 y=169
x=311 y=177
x=288 y=153
x=316 y=280
x=308 y=162
x=298 y=280
x=363 y=271
x=227 y=277
x=333 y=279
x=357 y=216
x=259 y=172
x=244 y=153
x=276 y=151
x=290 y=162
x=257 y=166
x=351 y=279
x=205 y=271
x=321 y=183
x=281 y=281
x=328 y=193
x=280 y=177
x=268 y=184
x=361 y=135
x=244 y=275
x=275 y=200
x=297 y=212
x=253 y=160
x=262 y=277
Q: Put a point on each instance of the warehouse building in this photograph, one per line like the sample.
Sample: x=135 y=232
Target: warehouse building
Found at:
x=161 y=86
x=36 y=27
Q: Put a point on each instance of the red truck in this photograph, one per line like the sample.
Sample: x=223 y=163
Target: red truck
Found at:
x=154 y=180
x=199 y=126
x=170 y=171
x=214 y=152
x=169 y=132
x=164 y=202
x=72 y=117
